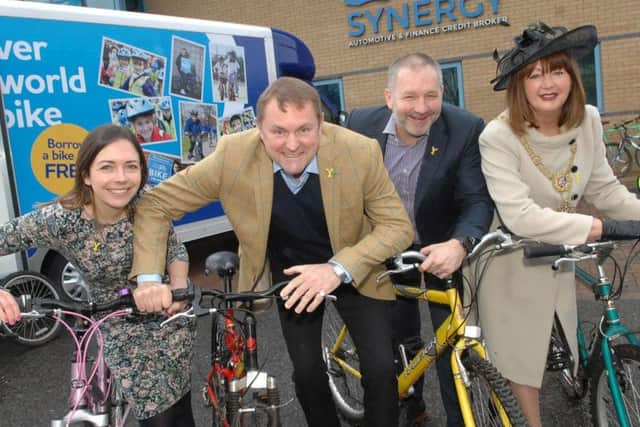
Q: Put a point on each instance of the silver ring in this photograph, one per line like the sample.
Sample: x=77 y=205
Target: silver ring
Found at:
x=322 y=294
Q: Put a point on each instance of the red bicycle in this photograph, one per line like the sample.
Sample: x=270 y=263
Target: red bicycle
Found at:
x=238 y=389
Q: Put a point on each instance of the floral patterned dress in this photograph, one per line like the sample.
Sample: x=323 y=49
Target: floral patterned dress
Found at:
x=152 y=365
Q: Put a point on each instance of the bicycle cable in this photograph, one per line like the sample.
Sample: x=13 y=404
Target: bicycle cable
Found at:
x=633 y=254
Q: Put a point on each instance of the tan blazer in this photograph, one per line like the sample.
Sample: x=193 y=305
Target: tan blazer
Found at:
x=366 y=220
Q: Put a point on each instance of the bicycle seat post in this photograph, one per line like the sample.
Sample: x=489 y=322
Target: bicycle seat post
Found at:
x=225 y=264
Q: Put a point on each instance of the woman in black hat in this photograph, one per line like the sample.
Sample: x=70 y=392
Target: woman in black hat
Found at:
x=540 y=157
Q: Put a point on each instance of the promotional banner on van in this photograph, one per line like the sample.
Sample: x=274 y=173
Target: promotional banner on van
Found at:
x=179 y=91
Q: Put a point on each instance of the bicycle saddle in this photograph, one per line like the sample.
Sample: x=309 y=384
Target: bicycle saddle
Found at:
x=224 y=263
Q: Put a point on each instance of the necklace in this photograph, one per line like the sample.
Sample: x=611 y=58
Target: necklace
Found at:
x=562 y=182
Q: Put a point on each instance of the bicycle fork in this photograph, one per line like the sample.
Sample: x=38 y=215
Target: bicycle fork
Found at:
x=462 y=380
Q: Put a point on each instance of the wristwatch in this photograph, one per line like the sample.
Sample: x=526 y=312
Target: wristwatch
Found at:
x=340 y=272
x=467 y=243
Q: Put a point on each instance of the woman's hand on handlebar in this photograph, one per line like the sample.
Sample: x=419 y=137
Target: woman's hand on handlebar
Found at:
x=152 y=297
x=9 y=310
x=309 y=288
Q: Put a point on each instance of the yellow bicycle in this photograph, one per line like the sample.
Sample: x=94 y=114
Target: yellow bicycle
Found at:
x=484 y=395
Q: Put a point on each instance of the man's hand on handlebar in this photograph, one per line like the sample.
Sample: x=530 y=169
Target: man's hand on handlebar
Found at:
x=310 y=287
x=443 y=259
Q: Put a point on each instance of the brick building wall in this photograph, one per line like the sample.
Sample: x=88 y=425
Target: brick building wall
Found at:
x=323 y=26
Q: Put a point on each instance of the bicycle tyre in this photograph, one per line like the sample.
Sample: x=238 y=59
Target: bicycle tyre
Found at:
x=485 y=381
x=346 y=389
x=619 y=160
x=32 y=332
x=626 y=359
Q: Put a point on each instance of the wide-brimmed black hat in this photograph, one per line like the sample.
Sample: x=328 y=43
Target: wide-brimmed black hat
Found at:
x=540 y=40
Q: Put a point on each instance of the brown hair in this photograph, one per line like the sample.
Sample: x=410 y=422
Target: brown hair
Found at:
x=521 y=115
x=289 y=90
x=81 y=194
x=414 y=61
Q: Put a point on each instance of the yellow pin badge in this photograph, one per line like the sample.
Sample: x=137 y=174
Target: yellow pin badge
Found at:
x=434 y=150
x=330 y=172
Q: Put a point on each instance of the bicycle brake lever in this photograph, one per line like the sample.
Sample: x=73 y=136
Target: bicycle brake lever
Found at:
x=189 y=314
x=403 y=268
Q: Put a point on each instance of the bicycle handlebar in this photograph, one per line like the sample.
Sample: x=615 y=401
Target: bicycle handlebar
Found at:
x=540 y=250
x=29 y=305
x=194 y=295
x=190 y=294
x=410 y=260
x=47 y=305
x=612 y=230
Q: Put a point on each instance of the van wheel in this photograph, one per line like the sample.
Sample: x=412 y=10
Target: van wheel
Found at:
x=67 y=278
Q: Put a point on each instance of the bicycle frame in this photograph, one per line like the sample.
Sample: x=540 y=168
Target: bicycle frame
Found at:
x=234 y=369
x=450 y=333
x=602 y=341
x=241 y=373
x=90 y=398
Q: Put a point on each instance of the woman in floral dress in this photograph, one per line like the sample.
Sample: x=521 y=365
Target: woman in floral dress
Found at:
x=92 y=227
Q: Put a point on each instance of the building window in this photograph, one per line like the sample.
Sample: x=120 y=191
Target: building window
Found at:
x=590 y=71
x=453 y=87
x=332 y=95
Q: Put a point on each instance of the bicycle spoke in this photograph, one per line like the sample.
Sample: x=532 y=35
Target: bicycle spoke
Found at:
x=627 y=372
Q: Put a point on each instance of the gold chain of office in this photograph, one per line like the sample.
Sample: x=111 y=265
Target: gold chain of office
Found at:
x=562 y=182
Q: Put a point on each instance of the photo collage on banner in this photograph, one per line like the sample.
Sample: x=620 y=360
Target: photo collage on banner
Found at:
x=181 y=116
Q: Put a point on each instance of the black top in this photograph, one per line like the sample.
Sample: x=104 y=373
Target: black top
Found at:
x=298 y=233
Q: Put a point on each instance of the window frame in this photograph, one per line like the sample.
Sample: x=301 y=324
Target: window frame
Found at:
x=457 y=65
x=327 y=82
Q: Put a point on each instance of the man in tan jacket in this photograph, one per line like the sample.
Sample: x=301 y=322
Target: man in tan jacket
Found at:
x=313 y=202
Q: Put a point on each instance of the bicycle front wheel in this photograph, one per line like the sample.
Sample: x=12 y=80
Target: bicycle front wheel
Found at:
x=343 y=366
x=491 y=399
x=618 y=158
x=35 y=331
x=626 y=362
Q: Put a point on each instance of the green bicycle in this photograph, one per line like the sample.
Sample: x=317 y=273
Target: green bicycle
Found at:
x=608 y=363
